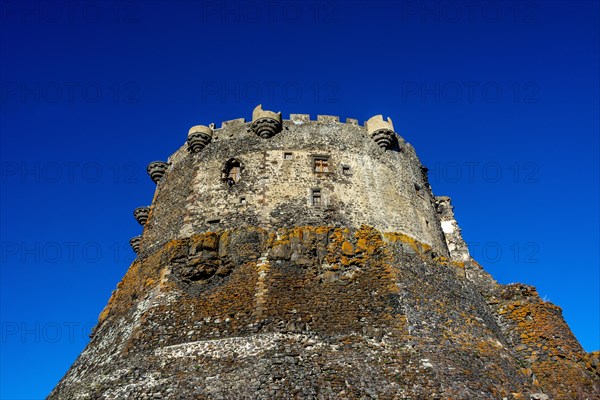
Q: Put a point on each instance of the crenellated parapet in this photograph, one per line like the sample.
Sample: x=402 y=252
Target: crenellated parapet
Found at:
x=156 y=170
x=265 y=123
x=199 y=137
x=382 y=132
x=141 y=215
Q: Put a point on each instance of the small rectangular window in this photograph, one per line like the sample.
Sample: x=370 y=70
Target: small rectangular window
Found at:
x=288 y=156
x=321 y=164
x=316 y=197
x=346 y=170
x=242 y=200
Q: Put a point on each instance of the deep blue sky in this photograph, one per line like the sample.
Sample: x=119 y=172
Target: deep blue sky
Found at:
x=500 y=100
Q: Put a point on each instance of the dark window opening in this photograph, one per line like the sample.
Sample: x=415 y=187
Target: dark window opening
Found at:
x=242 y=200
x=346 y=170
x=288 y=156
x=233 y=172
x=213 y=220
x=321 y=164
x=316 y=197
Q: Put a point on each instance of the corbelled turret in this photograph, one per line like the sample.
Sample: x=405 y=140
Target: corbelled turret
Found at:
x=141 y=214
x=134 y=242
x=382 y=132
x=265 y=123
x=199 y=136
x=156 y=170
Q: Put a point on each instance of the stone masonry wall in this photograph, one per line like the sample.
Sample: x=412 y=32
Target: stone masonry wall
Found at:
x=386 y=189
x=323 y=313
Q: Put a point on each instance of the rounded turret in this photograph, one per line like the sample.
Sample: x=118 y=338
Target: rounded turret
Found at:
x=382 y=132
x=199 y=137
x=265 y=123
x=156 y=170
x=141 y=215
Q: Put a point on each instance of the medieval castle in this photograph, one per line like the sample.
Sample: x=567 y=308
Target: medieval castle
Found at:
x=310 y=259
x=276 y=173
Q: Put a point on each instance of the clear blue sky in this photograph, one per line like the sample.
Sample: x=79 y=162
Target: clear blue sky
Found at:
x=500 y=100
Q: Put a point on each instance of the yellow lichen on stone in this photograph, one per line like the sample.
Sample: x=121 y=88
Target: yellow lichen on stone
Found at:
x=347 y=248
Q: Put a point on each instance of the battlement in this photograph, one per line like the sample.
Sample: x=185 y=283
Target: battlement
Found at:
x=298 y=119
x=375 y=121
x=305 y=118
x=266 y=124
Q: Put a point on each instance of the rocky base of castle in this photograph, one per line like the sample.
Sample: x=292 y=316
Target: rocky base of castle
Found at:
x=324 y=313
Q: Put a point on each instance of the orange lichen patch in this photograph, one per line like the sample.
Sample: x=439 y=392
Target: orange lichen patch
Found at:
x=224 y=241
x=543 y=340
x=368 y=240
x=592 y=362
x=104 y=313
x=128 y=289
x=361 y=245
x=150 y=282
x=211 y=241
x=347 y=249
x=458 y=267
x=145 y=274
x=417 y=246
x=355 y=288
x=443 y=260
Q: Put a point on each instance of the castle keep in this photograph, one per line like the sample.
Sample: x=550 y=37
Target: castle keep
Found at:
x=309 y=259
x=275 y=173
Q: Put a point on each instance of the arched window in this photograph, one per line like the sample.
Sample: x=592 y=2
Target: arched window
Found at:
x=232 y=172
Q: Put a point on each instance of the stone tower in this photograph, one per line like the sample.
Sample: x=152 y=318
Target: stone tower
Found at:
x=310 y=260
